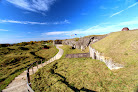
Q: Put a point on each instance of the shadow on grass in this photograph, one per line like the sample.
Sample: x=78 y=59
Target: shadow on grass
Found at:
x=67 y=83
x=72 y=87
x=36 y=56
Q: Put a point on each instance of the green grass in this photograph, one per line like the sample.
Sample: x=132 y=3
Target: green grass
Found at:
x=94 y=35
x=47 y=53
x=15 y=59
x=122 y=47
x=48 y=44
x=67 y=50
x=83 y=74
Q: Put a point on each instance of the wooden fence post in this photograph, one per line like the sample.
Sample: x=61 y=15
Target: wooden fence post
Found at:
x=94 y=55
x=28 y=77
x=41 y=63
x=32 y=69
x=37 y=64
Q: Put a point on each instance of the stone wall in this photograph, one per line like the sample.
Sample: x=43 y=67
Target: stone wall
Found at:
x=83 y=42
x=78 y=55
x=58 y=41
x=108 y=61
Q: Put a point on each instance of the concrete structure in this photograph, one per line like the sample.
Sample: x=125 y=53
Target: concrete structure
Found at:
x=83 y=42
x=108 y=61
x=125 y=29
x=78 y=55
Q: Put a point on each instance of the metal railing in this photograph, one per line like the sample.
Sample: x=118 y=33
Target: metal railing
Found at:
x=28 y=73
x=32 y=67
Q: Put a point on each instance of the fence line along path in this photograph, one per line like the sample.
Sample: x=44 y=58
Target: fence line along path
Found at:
x=19 y=84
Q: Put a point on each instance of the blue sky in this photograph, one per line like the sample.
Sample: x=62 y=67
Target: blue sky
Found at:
x=34 y=20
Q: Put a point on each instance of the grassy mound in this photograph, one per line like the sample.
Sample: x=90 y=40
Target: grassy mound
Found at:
x=15 y=59
x=121 y=46
x=67 y=75
x=82 y=74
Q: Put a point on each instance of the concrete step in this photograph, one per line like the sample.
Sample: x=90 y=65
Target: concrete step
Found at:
x=17 y=88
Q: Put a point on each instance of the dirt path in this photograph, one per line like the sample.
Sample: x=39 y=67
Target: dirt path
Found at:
x=19 y=84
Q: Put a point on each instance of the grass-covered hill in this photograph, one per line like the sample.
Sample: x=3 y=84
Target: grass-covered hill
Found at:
x=15 y=59
x=122 y=47
x=87 y=75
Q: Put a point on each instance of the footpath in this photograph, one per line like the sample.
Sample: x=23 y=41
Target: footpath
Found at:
x=19 y=84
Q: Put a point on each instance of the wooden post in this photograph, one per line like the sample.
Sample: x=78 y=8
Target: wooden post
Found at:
x=28 y=76
x=94 y=55
x=53 y=43
x=37 y=64
x=41 y=63
x=32 y=69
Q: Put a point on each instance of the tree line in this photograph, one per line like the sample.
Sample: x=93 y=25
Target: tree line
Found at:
x=31 y=43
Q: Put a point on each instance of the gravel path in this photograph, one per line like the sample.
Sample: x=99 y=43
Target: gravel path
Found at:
x=19 y=84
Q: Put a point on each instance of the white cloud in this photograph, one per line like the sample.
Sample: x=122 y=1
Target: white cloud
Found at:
x=19 y=36
x=66 y=21
x=11 y=40
x=124 y=9
x=28 y=32
x=33 y=5
x=116 y=13
x=132 y=22
x=76 y=31
x=103 y=7
x=84 y=13
x=43 y=14
x=38 y=23
x=115 y=7
x=55 y=33
x=62 y=22
x=132 y=5
x=102 y=28
x=3 y=30
x=127 y=2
